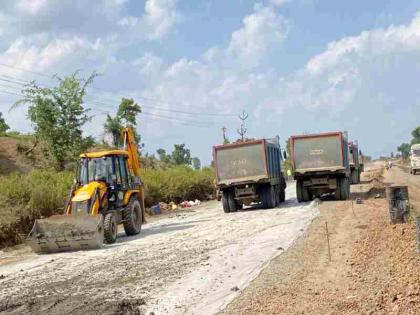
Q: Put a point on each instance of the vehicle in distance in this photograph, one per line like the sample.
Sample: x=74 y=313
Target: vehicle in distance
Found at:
x=415 y=159
x=248 y=172
x=356 y=162
x=320 y=165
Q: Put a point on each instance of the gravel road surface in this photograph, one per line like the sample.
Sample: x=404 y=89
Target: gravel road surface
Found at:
x=188 y=263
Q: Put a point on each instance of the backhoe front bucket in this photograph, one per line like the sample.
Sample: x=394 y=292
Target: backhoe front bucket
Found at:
x=60 y=233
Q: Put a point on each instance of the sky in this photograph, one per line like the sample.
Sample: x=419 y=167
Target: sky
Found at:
x=295 y=66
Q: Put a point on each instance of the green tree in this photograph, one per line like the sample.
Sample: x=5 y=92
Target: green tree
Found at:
x=181 y=155
x=163 y=156
x=3 y=126
x=196 y=163
x=125 y=117
x=57 y=115
x=404 y=148
x=416 y=135
x=127 y=111
x=113 y=127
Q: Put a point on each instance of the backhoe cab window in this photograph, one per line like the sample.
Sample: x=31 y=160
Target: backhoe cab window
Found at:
x=97 y=169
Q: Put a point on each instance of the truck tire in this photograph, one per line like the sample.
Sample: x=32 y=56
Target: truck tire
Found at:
x=344 y=188
x=268 y=197
x=354 y=177
x=306 y=194
x=225 y=203
x=239 y=205
x=338 y=190
x=233 y=207
x=299 y=190
x=282 y=196
x=132 y=217
x=110 y=228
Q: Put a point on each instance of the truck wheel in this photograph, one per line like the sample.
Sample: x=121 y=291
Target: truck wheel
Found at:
x=306 y=194
x=132 y=217
x=282 y=196
x=239 y=205
x=299 y=192
x=110 y=228
x=232 y=202
x=268 y=197
x=225 y=203
x=354 y=177
x=344 y=188
x=338 y=189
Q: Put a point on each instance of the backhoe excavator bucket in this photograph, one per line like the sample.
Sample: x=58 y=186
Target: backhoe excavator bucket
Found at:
x=60 y=233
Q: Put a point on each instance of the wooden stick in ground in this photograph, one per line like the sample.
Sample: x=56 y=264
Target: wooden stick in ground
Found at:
x=328 y=241
x=352 y=207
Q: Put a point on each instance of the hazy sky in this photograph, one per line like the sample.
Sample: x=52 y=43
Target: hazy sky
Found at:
x=294 y=65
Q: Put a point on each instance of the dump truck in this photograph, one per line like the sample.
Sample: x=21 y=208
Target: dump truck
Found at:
x=415 y=159
x=248 y=172
x=107 y=191
x=356 y=162
x=320 y=165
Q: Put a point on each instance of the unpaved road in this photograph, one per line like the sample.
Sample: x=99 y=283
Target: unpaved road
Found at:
x=374 y=266
x=191 y=263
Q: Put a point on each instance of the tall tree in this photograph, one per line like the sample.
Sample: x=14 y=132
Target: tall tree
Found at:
x=181 y=155
x=125 y=116
x=404 y=148
x=416 y=135
x=128 y=110
x=113 y=127
x=58 y=115
x=196 y=163
x=3 y=126
x=163 y=156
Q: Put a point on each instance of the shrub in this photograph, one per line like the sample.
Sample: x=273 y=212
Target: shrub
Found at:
x=177 y=184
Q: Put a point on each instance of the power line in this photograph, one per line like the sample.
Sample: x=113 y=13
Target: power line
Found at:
x=140 y=97
x=191 y=122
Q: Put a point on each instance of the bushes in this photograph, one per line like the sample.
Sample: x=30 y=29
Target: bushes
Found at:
x=26 y=197
x=177 y=184
x=41 y=193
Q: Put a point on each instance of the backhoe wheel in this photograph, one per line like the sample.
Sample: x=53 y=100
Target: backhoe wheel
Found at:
x=110 y=228
x=231 y=201
x=132 y=217
x=225 y=203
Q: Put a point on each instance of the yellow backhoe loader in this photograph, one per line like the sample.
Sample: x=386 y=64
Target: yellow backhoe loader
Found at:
x=107 y=191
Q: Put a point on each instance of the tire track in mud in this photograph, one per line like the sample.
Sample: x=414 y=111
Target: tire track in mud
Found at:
x=142 y=272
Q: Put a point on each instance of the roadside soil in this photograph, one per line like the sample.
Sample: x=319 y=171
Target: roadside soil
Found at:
x=194 y=262
x=374 y=266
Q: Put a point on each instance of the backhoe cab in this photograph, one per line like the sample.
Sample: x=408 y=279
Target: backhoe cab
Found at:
x=107 y=191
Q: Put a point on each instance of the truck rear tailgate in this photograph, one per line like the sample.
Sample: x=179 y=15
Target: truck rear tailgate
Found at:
x=312 y=153
x=240 y=162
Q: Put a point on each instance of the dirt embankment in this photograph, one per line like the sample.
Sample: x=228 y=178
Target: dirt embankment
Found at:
x=374 y=266
x=18 y=154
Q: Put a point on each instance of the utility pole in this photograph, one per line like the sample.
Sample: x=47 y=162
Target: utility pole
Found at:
x=225 y=140
x=242 y=131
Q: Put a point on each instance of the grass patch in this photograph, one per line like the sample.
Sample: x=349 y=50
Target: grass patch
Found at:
x=41 y=193
x=177 y=184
